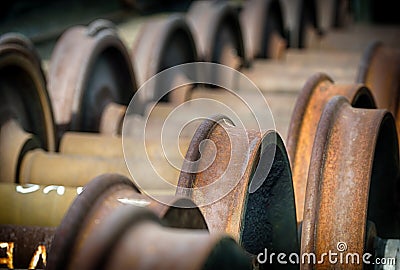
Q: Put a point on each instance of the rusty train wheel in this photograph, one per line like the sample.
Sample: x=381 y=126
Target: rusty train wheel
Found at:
x=262 y=23
x=317 y=91
x=243 y=212
x=133 y=238
x=99 y=198
x=24 y=95
x=217 y=32
x=168 y=42
x=380 y=70
x=352 y=180
x=24 y=102
x=89 y=69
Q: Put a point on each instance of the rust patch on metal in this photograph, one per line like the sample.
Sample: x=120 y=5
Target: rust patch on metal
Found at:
x=352 y=180
x=318 y=90
x=262 y=169
x=100 y=198
x=379 y=70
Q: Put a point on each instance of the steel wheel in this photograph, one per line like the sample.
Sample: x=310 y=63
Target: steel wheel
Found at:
x=353 y=179
x=162 y=44
x=318 y=90
x=261 y=22
x=89 y=69
x=259 y=211
x=217 y=33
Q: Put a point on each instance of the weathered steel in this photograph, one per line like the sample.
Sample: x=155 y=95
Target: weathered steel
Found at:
x=23 y=101
x=217 y=32
x=89 y=69
x=162 y=44
x=380 y=70
x=318 y=90
x=110 y=206
x=24 y=247
x=259 y=210
x=353 y=179
x=263 y=29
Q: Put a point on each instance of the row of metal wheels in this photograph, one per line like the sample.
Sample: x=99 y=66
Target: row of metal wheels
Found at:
x=343 y=154
x=349 y=190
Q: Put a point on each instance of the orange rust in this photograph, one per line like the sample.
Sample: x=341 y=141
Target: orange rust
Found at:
x=223 y=188
x=380 y=71
x=100 y=198
x=301 y=135
x=352 y=180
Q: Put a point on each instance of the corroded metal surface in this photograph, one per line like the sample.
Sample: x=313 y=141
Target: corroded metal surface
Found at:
x=263 y=29
x=28 y=205
x=259 y=210
x=318 y=90
x=111 y=206
x=89 y=68
x=25 y=247
x=353 y=178
x=217 y=32
x=380 y=70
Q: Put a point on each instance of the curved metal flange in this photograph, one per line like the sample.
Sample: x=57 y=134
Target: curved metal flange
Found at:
x=24 y=104
x=262 y=23
x=89 y=69
x=380 y=70
x=261 y=217
x=353 y=178
x=217 y=32
x=23 y=89
x=100 y=197
x=317 y=91
x=161 y=44
x=133 y=238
